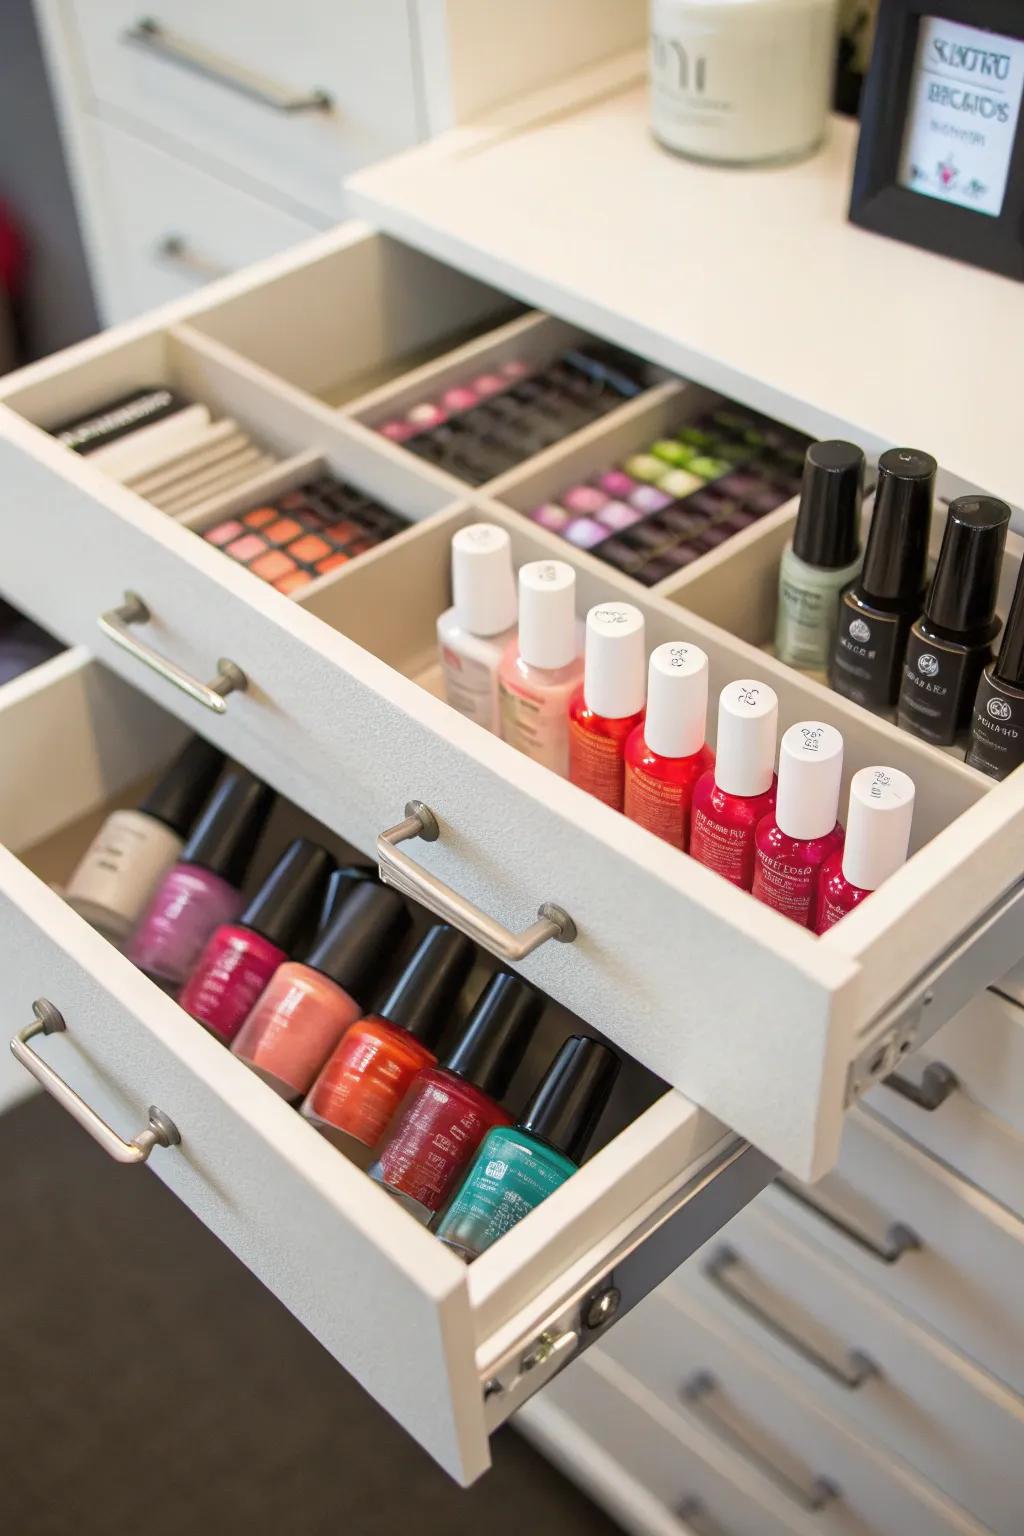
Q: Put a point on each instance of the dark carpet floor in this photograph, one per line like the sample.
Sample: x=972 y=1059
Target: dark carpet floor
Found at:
x=149 y=1384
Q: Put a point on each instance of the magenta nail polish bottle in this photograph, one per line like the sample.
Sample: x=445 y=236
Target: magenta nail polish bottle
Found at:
x=202 y=890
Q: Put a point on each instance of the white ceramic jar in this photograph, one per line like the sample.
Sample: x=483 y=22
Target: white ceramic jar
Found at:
x=741 y=82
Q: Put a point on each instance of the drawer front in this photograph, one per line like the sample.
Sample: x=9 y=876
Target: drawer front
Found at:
x=915 y=1231
x=249 y=96
x=893 y=1381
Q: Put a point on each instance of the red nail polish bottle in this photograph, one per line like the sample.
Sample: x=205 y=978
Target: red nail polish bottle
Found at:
x=666 y=755
x=729 y=801
x=449 y=1109
x=240 y=958
x=793 y=844
x=611 y=702
x=877 y=839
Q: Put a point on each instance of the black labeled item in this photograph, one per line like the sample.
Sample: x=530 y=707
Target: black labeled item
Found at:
x=117 y=418
x=572 y=1096
x=225 y=836
x=289 y=897
x=876 y=612
x=951 y=643
x=997 y=722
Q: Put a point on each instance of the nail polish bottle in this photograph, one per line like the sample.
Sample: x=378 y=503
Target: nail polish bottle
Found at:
x=365 y=1079
x=449 y=1109
x=474 y=631
x=240 y=957
x=666 y=755
x=608 y=707
x=730 y=800
x=542 y=667
x=877 y=839
x=202 y=890
x=951 y=643
x=823 y=557
x=308 y=1005
x=997 y=724
x=516 y=1169
x=134 y=849
x=793 y=842
x=876 y=612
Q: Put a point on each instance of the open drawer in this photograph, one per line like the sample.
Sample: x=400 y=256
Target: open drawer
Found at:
x=450 y=1351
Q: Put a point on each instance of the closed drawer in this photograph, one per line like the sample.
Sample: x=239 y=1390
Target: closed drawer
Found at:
x=912 y=1229
x=869 y=1364
x=168 y=228
x=294 y=103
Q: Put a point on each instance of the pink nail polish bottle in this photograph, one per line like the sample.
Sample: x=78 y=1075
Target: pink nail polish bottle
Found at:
x=793 y=844
x=877 y=839
x=730 y=800
x=542 y=665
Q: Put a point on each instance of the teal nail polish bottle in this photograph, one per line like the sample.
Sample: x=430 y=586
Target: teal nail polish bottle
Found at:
x=518 y=1166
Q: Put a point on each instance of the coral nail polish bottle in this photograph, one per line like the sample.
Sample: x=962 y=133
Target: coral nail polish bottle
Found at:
x=366 y=1077
x=610 y=704
x=240 y=958
x=877 y=839
x=666 y=755
x=449 y=1109
x=308 y=1006
x=542 y=667
x=516 y=1169
x=474 y=631
x=202 y=890
x=729 y=801
x=793 y=844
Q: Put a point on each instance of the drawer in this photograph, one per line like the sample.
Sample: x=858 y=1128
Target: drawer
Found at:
x=167 y=228
x=937 y=1246
x=708 y=1375
x=340 y=707
x=962 y=1097
x=293 y=104
x=440 y=1345
x=878 y=1371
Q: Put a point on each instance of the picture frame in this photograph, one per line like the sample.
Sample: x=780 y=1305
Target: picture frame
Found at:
x=940 y=162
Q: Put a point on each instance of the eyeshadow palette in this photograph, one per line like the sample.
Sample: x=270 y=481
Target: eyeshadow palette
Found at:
x=305 y=533
x=680 y=497
x=490 y=423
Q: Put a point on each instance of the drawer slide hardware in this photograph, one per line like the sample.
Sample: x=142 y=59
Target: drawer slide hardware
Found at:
x=398 y=870
x=730 y=1275
x=899 y=1238
x=117 y=626
x=182 y=51
x=160 y=1132
x=936 y=1085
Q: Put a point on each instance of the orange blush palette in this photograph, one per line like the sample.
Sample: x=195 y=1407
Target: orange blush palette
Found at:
x=305 y=533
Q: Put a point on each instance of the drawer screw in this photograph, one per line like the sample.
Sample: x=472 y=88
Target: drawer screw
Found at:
x=541 y=1351
x=600 y=1309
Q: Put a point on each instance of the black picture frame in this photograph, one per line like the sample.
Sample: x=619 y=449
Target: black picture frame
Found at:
x=878 y=202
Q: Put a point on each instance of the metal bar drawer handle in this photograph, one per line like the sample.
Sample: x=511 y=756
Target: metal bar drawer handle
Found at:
x=156 y=38
x=725 y=1271
x=116 y=625
x=406 y=875
x=698 y=1394
x=160 y=1132
x=936 y=1085
x=899 y=1238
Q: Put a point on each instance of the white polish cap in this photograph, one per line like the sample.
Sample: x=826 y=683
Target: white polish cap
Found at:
x=748 y=725
x=810 y=778
x=547 y=614
x=483 y=584
x=613 y=660
x=878 y=827
x=677 y=699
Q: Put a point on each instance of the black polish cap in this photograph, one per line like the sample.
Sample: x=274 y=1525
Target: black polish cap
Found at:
x=496 y=1036
x=287 y=900
x=1009 y=667
x=225 y=837
x=827 y=532
x=962 y=596
x=360 y=939
x=180 y=794
x=896 y=553
x=340 y=886
x=572 y=1095
x=424 y=994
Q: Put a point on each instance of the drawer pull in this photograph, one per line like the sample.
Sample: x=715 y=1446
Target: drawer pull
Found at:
x=699 y=1395
x=397 y=869
x=175 y=251
x=936 y=1085
x=161 y=1131
x=694 y=1513
x=899 y=1238
x=730 y=1275
x=116 y=625
x=157 y=39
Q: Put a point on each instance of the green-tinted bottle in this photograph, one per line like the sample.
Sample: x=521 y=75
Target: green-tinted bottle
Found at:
x=517 y=1167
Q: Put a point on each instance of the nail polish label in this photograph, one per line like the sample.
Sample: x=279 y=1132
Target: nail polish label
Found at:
x=511 y=1176
x=470 y=687
x=997 y=729
x=728 y=850
x=938 y=685
x=788 y=888
x=596 y=765
x=867 y=654
x=660 y=806
x=537 y=724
